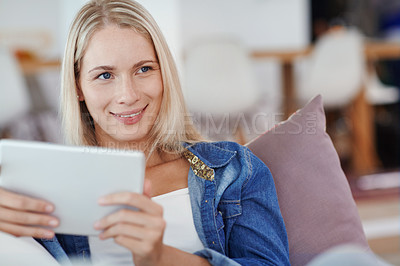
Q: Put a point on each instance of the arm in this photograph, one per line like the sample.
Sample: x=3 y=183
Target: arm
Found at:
x=21 y=215
x=173 y=256
x=258 y=234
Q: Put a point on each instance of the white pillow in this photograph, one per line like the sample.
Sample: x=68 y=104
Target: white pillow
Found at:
x=23 y=251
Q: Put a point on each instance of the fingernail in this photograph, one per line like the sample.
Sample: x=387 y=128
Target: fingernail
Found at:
x=49 y=208
x=48 y=234
x=97 y=225
x=53 y=223
x=102 y=200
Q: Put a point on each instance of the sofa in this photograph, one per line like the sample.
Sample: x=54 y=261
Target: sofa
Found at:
x=313 y=193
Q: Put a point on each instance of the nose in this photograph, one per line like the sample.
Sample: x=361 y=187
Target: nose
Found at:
x=127 y=92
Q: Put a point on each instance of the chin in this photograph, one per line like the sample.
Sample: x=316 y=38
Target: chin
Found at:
x=123 y=137
x=136 y=142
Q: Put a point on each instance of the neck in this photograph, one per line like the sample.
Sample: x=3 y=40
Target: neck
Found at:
x=153 y=159
x=158 y=158
x=123 y=145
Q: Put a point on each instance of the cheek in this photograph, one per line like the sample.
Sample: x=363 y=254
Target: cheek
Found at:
x=95 y=98
x=157 y=89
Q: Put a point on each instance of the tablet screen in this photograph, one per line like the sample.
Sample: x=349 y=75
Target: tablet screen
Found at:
x=71 y=177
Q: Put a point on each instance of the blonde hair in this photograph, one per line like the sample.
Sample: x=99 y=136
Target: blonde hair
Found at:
x=173 y=124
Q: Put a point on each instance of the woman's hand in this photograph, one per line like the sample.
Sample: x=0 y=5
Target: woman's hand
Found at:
x=22 y=216
x=140 y=231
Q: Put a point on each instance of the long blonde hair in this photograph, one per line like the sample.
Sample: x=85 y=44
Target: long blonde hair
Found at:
x=173 y=124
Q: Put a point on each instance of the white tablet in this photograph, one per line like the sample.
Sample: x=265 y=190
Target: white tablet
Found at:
x=71 y=177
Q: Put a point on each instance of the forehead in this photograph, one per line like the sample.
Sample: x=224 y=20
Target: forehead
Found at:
x=114 y=43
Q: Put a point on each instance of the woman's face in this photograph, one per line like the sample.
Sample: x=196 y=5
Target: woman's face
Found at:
x=120 y=82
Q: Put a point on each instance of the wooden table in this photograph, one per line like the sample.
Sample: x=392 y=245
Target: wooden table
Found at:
x=374 y=50
x=364 y=155
x=32 y=66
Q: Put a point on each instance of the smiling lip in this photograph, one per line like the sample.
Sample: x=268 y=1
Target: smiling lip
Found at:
x=130 y=117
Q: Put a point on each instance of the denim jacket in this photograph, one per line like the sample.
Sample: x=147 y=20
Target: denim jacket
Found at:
x=235 y=210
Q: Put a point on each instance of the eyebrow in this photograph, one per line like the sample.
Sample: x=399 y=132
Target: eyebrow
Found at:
x=140 y=63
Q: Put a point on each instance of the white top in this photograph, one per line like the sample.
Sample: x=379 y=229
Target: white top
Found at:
x=179 y=232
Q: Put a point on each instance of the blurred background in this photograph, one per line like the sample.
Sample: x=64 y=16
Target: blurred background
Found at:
x=245 y=65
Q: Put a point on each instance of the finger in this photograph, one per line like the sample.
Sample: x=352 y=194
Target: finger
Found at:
x=129 y=242
x=133 y=232
x=128 y=230
x=19 y=230
x=139 y=248
x=139 y=201
x=147 y=188
x=27 y=218
x=131 y=217
x=20 y=202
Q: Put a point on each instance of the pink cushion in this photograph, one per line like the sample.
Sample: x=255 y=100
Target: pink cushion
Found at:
x=314 y=196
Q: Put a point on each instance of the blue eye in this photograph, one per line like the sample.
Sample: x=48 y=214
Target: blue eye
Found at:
x=144 y=69
x=105 y=75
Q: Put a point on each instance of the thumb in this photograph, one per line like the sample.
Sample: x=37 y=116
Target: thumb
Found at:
x=147 y=188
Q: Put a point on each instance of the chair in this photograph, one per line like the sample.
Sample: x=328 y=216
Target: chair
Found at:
x=378 y=93
x=335 y=69
x=14 y=95
x=220 y=83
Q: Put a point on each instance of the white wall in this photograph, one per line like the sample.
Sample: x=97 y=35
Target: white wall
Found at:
x=20 y=20
x=263 y=24
x=67 y=11
x=52 y=17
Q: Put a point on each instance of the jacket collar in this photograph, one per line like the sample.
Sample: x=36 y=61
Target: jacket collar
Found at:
x=213 y=154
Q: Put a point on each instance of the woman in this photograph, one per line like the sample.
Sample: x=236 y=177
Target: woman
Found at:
x=203 y=203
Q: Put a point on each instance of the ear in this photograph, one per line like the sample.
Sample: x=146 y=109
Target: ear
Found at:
x=80 y=96
x=79 y=92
